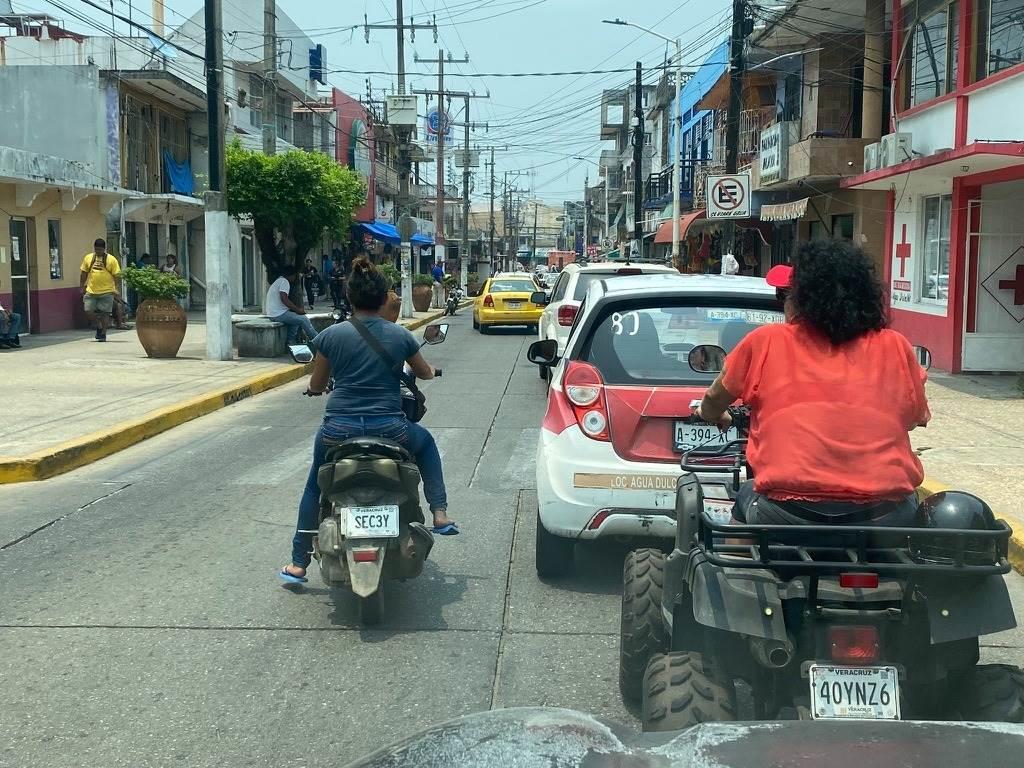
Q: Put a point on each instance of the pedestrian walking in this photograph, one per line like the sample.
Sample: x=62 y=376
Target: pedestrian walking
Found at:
x=310 y=281
x=10 y=324
x=438 y=274
x=100 y=282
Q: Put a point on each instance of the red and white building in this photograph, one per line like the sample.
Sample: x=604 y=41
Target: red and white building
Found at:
x=954 y=177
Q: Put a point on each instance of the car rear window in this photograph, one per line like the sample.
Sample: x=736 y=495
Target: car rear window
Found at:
x=586 y=278
x=651 y=344
x=512 y=286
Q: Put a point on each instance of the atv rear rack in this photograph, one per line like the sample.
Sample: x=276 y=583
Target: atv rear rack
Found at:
x=795 y=550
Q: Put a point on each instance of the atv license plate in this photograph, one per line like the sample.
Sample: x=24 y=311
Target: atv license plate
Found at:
x=371 y=522
x=854 y=693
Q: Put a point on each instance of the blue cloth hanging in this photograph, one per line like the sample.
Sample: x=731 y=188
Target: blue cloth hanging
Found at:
x=179 y=174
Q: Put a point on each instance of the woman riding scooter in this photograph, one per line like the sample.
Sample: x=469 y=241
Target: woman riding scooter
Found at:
x=366 y=401
x=833 y=394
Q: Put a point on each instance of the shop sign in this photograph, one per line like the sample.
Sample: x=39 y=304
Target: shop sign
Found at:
x=774 y=155
x=729 y=196
x=902 y=269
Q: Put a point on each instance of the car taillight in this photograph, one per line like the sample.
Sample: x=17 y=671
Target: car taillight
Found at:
x=853 y=644
x=584 y=389
x=567 y=314
x=489 y=301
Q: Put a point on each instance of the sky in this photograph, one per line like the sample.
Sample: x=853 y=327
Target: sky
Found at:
x=538 y=124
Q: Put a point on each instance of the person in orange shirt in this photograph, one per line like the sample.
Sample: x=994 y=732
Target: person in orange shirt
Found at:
x=833 y=395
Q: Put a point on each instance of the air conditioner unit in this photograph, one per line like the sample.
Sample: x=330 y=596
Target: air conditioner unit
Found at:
x=871 y=157
x=895 y=149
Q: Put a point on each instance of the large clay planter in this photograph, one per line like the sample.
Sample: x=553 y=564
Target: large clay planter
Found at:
x=160 y=324
x=422 y=295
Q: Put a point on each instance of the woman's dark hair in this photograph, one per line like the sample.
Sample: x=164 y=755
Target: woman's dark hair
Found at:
x=366 y=287
x=836 y=291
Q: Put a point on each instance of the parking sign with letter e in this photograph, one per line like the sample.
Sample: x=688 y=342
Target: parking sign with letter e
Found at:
x=729 y=196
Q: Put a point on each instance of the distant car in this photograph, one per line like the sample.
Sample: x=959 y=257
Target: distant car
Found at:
x=568 y=292
x=619 y=415
x=505 y=299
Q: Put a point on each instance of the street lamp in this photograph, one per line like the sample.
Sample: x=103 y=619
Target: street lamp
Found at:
x=678 y=117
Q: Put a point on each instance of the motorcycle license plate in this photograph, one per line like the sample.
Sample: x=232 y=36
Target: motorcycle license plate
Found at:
x=690 y=436
x=854 y=693
x=371 y=522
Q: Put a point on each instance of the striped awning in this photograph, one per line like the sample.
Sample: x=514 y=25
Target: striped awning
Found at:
x=784 y=211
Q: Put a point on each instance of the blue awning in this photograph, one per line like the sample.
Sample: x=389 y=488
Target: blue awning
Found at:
x=380 y=230
x=419 y=239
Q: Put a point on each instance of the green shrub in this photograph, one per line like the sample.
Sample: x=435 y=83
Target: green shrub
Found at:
x=391 y=274
x=422 y=279
x=150 y=283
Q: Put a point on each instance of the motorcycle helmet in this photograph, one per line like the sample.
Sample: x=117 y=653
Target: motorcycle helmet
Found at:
x=956 y=510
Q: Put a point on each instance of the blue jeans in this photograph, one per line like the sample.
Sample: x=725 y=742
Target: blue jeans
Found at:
x=295 y=321
x=336 y=429
x=10 y=327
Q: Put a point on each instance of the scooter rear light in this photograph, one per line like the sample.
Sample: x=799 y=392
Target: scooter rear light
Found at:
x=489 y=301
x=855 y=645
x=858 y=580
x=364 y=555
x=567 y=314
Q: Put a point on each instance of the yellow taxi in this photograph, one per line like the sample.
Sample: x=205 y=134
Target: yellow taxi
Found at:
x=505 y=300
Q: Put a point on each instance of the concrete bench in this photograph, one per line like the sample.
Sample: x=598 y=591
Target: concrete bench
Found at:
x=261 y=337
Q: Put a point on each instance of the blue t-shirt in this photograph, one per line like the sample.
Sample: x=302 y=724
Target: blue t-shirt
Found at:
x=363 y=385
x=438 y=273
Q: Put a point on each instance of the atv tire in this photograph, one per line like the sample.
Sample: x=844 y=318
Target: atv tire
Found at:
x=680 y=690
x=642 y=631
x=989 y=693
x=554 y=554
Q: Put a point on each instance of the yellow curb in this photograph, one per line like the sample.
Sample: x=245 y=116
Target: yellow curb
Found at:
x=81 y=451
x=1016 y=553
x=76 y=453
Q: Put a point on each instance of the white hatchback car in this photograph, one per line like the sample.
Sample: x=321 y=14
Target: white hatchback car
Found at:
x=619 y=415
x=569 y=290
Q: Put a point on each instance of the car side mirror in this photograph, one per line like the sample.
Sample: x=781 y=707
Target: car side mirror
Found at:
x=544 y=352
x=301 y=353
x=924 y=357
x=435 y=334
x=539 y=297
x=707 y=358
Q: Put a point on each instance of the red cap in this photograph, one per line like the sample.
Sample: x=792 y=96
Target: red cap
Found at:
x=780 y=276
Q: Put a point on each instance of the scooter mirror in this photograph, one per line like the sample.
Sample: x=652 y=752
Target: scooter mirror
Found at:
x=924 y=357
x=707 y=358
x=435 y=334
x=301 y=353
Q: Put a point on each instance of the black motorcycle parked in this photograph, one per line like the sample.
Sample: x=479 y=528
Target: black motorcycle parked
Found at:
x=822 y=622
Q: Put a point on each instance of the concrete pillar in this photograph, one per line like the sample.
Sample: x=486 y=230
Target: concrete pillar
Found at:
x=874 y=63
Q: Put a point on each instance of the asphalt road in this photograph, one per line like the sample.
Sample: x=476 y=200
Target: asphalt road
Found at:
x=141 y=622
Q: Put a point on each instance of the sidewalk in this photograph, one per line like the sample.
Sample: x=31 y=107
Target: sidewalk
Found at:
x=69 y=400
x=975 y=443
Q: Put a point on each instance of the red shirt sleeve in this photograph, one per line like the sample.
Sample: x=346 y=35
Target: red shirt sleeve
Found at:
x=740 y=375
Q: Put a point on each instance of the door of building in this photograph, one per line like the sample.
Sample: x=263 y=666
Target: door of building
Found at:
x=249 y=292
x=994 y=311
x=21 y=272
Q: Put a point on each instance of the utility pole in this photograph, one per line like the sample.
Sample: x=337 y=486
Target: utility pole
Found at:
x=533 y=251
x=732 y=126
x=491 y=246
x=464 y=245
x=638 y=161
x=586 y=214
x=218 y=272
x=403 y=135
x=269 y=77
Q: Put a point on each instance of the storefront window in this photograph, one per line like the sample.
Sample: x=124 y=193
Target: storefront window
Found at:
x=935 y=265
x=56 y=260
x=931 y=56
x=1001 y=33
x=842 y=227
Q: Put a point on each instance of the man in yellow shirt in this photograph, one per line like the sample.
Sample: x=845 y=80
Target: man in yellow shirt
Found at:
x=100 y=283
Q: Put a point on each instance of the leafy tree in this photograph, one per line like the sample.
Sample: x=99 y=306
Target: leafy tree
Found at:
x=293 y=198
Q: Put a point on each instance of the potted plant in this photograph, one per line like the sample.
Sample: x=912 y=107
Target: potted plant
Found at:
x=391 y=274
x=159 y=321
x=422 y=292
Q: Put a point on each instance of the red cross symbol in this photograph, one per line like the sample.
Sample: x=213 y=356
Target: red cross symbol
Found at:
x=1016 y=285
x=903 y=253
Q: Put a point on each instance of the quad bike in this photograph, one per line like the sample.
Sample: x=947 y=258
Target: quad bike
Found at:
x=820 y=621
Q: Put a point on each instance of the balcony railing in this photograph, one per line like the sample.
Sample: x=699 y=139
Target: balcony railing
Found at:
x=386 y=176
